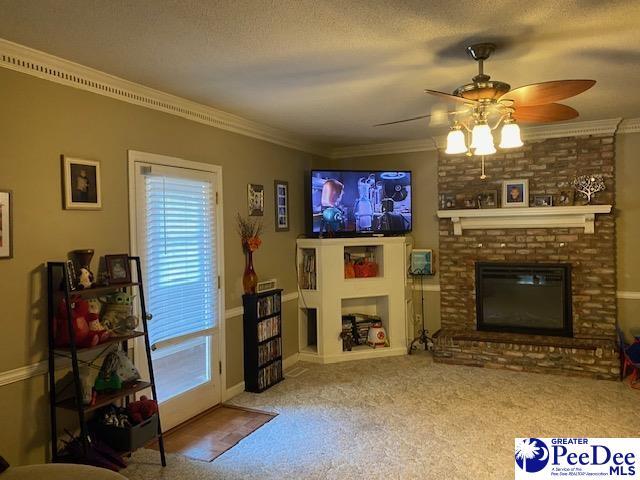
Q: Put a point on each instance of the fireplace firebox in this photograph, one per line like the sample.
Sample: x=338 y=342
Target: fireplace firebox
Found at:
x=524 y=298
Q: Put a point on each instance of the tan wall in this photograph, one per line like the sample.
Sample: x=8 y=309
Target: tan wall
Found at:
x=39 y=121
x=425 y=233
x=628 y=228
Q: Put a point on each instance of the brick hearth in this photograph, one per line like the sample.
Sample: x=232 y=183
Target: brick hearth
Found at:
x=549 y=165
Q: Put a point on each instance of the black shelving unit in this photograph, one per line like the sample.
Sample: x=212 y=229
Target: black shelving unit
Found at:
x=262 y=322
x=57 y=289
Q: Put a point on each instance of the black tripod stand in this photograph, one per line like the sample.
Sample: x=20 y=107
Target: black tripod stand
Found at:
x=422 y=337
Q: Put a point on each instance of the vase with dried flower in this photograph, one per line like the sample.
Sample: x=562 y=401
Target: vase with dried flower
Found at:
x=249 y=230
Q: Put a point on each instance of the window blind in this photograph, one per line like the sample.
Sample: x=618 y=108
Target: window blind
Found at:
x=179 y=256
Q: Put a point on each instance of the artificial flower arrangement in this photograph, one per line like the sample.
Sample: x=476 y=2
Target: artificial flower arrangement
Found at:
x=249 y=230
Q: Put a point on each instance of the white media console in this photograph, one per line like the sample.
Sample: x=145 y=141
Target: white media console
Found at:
x=325 y=295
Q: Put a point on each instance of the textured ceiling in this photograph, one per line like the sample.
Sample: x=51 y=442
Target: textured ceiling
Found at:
x=328 y=69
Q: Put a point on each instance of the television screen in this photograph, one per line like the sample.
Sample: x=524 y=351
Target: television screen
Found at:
x=360 y=202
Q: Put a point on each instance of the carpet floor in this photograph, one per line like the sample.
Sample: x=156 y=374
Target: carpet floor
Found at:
x=405 y=418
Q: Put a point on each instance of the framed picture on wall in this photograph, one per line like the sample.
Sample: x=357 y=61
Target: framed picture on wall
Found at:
x=6 y=224
x=281 y=200
x=255 y=199
x=515 y=193
x=81 y=184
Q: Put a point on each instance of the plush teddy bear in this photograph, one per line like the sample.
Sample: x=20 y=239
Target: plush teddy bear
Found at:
x=142 y=409
x=79 y=313
x=93 y=319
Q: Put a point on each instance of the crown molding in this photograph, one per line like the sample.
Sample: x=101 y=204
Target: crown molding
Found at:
x=39 y=64
x=629 y=125
x=422 y=145
x=539 y=132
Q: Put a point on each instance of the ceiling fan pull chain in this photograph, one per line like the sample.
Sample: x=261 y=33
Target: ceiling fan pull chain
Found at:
x=483 y=176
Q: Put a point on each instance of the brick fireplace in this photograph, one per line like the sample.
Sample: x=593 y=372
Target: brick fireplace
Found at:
x=549 y=165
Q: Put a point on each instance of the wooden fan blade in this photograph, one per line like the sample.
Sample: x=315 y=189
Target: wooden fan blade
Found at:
x=551 y=112
x=547 y=92
x=450 y=98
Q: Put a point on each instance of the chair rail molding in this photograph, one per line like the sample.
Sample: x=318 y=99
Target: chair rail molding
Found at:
x=533 y=217
x=43 y=65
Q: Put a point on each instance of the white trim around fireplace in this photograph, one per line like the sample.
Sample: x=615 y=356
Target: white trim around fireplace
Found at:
x=535 y=217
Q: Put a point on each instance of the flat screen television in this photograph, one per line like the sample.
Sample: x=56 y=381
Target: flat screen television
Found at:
x=364 y=202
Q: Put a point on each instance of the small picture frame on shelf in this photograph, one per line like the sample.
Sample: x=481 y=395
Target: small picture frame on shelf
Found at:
x=72 y=278
x=447 y=201
x=543 y=200
x=281 y=200
x=469 y=202
x=488 y=199
x=6 y=224
x=515 y=193
x=255 y=199
x=118 y=268
x=81 y=184
x=565 y=198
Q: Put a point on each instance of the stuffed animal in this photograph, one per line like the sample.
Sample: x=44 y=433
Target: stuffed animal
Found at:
x=142 y=409
x=85 y=279
x=117 y=316
x=93 y=319
x=79 y=313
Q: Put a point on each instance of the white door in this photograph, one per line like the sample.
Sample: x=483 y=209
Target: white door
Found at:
x=176 y=239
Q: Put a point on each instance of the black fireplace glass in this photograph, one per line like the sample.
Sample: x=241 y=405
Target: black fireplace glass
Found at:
x=524 y=298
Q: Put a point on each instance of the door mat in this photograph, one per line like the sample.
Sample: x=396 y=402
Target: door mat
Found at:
x=213 y=432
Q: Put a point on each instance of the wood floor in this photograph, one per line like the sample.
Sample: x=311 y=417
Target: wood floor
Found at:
x=212 y=433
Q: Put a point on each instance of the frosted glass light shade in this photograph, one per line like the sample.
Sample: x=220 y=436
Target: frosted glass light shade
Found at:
x=455 y=142
x=487 y=149
x=481 y=136
x=510 y=136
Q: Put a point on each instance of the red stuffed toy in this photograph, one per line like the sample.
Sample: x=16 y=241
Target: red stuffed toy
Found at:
x=83 y=335
x=142 y=409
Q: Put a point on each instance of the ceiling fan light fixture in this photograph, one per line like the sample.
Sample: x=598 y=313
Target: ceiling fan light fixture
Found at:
x=510 y=136
x=488 y=149
x=481 y=136
x=456 y=142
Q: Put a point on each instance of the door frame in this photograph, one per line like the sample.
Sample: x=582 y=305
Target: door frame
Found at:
x=135 y=156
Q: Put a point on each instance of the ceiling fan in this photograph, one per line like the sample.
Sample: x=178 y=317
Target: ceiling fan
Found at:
x=485 y=101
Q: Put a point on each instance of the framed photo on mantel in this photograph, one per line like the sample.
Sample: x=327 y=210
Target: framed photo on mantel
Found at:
x=515 y=193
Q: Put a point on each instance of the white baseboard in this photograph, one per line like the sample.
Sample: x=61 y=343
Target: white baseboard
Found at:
x=290 y=361
x=231 y=392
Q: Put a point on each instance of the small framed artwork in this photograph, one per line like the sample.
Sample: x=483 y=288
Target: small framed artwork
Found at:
x=118 y=268
x=542 y=200
x=488 y=199
x=447 y=201
x=81 y=184
x=6 y=224
x=255 y=198
x=421 y=262
x=565 y=198
x=470 y=202
x=281 y=200
x=515 y=193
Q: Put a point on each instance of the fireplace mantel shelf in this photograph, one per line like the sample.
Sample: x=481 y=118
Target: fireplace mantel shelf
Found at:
x=534 y=217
